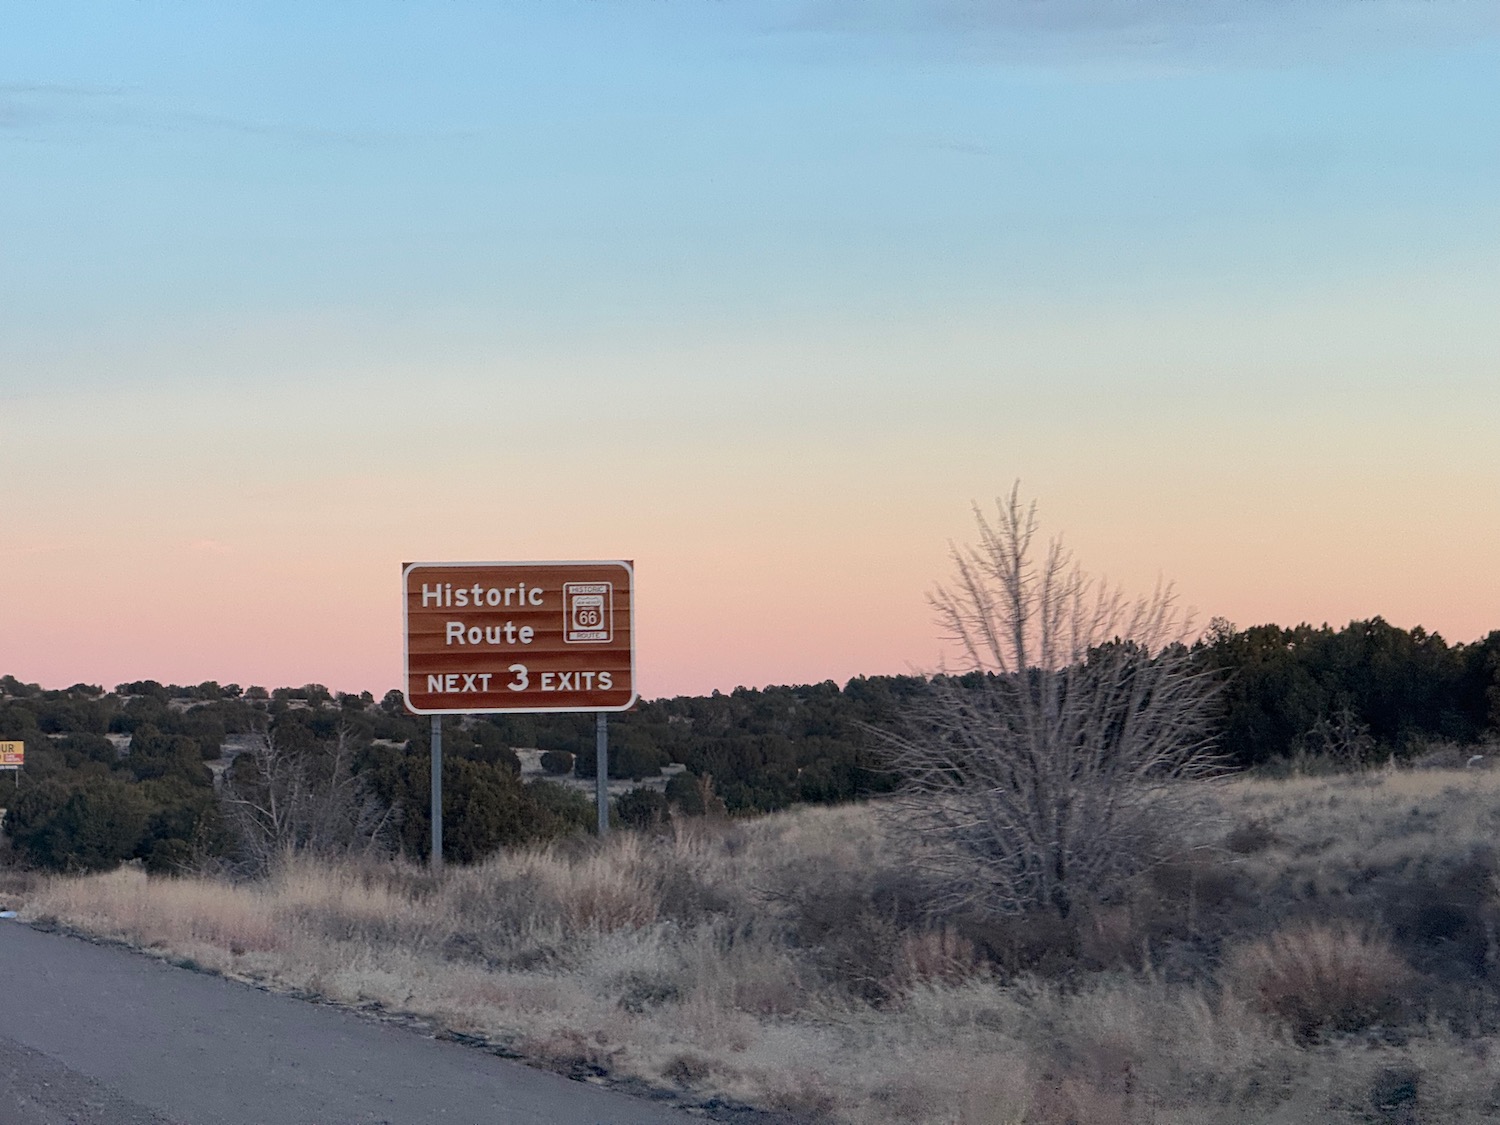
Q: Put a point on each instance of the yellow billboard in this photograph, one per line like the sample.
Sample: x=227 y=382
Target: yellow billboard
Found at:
x=12 y=755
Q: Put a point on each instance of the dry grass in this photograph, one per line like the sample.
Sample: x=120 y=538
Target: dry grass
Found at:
x=1320 y=978
x=790 y=963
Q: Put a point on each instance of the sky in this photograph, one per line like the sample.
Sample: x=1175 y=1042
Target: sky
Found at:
x=762 y=296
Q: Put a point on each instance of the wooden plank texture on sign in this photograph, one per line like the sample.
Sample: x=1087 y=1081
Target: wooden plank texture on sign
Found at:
x=519 y=636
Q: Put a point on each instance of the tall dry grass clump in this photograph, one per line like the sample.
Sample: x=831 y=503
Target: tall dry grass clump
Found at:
x=1318 y=977
x=941 y=955
x=184 y=916
x=618 y=888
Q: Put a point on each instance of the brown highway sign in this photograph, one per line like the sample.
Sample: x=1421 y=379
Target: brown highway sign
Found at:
x=519 y=636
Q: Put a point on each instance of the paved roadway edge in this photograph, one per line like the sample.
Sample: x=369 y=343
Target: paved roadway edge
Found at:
x=713 y=1109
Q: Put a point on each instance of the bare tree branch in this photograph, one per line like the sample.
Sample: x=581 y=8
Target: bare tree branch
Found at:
x=278 y=799
x=1053 y=762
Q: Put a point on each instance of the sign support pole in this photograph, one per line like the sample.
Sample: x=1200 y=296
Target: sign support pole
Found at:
x=435 y=861
x=601 y=785
x=492 y=638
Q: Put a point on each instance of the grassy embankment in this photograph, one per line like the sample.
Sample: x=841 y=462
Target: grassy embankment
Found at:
x=1331 y=959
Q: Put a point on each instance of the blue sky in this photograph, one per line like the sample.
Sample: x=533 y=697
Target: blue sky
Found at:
x=630 y=167
x=747 y=290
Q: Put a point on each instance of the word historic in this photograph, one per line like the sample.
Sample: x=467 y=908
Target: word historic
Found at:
x=442 y=595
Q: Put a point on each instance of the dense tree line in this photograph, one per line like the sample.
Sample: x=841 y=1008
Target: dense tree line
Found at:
x=1370 y=688
x=116 y=775
x=87 y=801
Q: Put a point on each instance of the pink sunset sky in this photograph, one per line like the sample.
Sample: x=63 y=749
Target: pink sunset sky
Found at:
x=277 y=315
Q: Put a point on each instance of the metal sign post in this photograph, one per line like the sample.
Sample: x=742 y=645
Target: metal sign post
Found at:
x=601 y=771
x=435 y=861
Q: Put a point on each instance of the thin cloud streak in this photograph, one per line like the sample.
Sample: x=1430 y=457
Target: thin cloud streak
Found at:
x=1190 y=34
x=35 y=106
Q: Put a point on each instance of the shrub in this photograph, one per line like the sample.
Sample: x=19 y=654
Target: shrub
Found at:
x=1249 y=837
x=1041 y=943
x=940 y=956
x=642 y=808
x=695 y=796
x=1052 y=767
x=550 y=738
x=852 y=923
x=92 y=827
x=555 y=810
x=634 y=757
x=557 y=762
x=1317 y=977
x=168 y=857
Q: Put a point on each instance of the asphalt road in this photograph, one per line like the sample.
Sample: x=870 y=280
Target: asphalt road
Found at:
x=95 y=1035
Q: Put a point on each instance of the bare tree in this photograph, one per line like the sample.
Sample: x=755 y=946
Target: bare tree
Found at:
x=1340 y=737
x=1053 y=762
x=280 y=799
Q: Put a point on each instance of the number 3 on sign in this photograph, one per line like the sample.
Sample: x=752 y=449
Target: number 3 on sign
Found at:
x=522 y=680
